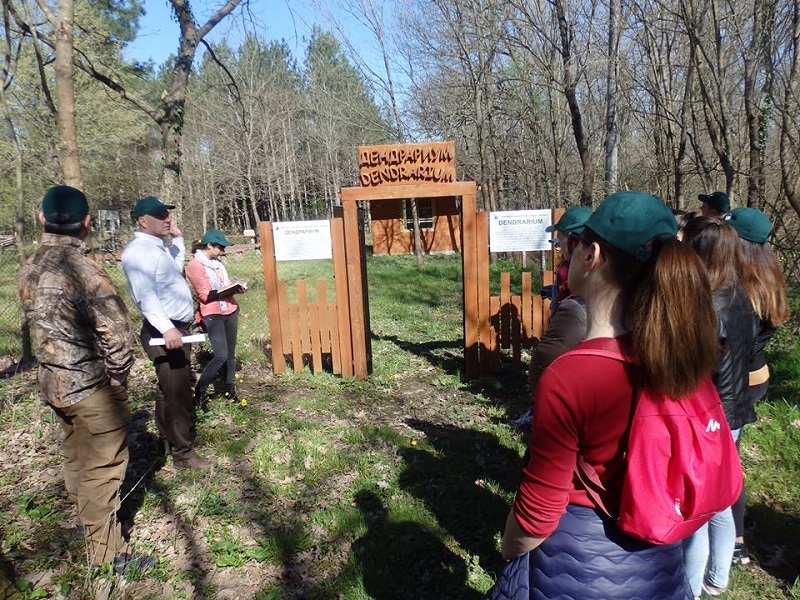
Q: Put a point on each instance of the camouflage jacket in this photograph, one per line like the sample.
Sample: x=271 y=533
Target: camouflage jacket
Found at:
x=79 y=325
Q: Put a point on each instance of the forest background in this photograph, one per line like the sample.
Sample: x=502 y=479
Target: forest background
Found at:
x=549 y=102
x=322 y=483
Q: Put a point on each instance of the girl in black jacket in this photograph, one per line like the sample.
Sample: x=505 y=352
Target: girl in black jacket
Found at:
x=708 y=552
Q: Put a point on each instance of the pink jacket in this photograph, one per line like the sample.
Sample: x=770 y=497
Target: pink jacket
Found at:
x=201 y=282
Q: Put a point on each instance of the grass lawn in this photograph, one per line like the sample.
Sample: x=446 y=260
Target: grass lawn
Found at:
x=390 y=488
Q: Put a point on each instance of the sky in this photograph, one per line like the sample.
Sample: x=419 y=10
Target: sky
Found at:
x=272 y=19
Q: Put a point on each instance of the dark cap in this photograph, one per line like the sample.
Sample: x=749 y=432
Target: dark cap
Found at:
x=750 y=223
x=215 y=236
x=717 y=200
x=64 y=205
x=628 y=220
x=150 y=205
x=572 y=221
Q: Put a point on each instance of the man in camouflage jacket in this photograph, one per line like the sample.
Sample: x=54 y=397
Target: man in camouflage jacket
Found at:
x=83 y=341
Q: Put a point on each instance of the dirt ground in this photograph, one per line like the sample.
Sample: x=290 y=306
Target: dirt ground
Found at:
x=47 y=554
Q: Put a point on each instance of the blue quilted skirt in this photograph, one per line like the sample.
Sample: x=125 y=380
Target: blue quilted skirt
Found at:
x=587 y=558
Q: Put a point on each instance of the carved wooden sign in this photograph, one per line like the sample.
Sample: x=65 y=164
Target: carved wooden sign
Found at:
x=434 y=162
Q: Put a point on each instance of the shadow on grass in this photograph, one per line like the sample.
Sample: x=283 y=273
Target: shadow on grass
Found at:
x=146 y=458
x=455 y=484
x=405 y=560
x=773 y=542
x=444 y=354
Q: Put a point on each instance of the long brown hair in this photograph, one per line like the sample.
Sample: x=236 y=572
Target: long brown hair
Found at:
x=763 y=282
x=717 y=244
x=673 y=332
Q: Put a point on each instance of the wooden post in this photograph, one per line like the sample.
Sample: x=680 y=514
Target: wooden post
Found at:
x=355 y=289
x=485 y=343
x=271 y=285
x=340 y=273
x=469 y=262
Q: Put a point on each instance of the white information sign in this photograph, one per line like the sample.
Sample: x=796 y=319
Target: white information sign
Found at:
x=302 y=240
x=520 y=230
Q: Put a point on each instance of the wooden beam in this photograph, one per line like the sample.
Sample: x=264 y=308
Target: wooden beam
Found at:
x=397 y=192
x=271 y=285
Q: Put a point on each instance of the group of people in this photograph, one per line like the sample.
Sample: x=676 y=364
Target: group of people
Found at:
x=684 y=306
x=84 y=343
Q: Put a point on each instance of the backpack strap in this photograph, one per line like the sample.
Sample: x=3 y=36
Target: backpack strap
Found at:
x=586 y=473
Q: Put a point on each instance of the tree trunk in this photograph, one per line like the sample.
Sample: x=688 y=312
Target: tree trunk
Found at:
x=789 y=165
x=570 y=92
x=612 y=138
x=65 y=91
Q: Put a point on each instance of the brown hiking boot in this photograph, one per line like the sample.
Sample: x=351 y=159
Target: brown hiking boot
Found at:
x=191 y=460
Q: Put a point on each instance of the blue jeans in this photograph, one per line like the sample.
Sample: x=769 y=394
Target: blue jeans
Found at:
x=708 y=552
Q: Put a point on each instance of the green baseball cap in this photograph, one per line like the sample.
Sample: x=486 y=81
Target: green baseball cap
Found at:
x=572 y=221
x=717 y=200
x=750 y=223
x=628 y=220
x=215 y=236
x=64 y=205
x=150 y=205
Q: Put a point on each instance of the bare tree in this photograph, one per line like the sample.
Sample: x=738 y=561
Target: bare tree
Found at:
x=612 y=75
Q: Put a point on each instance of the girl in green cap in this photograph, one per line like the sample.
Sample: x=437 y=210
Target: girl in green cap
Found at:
x=218 y=311
x=763 y=282
x=709 y=551
x=632 y=273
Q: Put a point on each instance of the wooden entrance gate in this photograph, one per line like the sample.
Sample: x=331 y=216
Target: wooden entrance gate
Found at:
x=337 y=333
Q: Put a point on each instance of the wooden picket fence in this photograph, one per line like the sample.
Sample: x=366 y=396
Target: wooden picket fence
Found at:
x=316 y=332
x=313 y=328
x=507 y=322
x=517 y=322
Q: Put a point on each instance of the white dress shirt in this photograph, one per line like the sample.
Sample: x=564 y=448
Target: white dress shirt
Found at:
x=155 y=277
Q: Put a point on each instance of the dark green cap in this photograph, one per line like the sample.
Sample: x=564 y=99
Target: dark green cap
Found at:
x=628 y=220
x=64 y=205
x=750 y=223
x=150 y=205
x=572 y=221
x=215 y=236
x=717 y=200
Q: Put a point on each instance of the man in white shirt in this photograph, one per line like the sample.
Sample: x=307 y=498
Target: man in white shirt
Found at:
x=153 y=267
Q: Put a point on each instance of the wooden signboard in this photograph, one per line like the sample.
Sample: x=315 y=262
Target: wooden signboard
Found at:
x=403 y=164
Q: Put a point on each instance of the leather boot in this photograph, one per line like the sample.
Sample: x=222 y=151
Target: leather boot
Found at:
x=201 y=398
x=230 y=392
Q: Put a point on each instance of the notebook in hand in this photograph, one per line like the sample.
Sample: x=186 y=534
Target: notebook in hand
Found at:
x=237 y=287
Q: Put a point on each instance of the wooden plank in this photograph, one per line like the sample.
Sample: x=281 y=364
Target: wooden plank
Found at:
x=493 y=359
x=342 y=297
x=322 y=311
x=294 y=327
x=516 y=331
x=316 y=346
x=358 y=333
x=283 y=304
x=505 y=310
x=270 y=270
x=303 y=320
x=336 y=353
x=399 y=192
x=302 y=316
x=469 y=290
x=526 y=308
x=538 y=313
x=484 y=324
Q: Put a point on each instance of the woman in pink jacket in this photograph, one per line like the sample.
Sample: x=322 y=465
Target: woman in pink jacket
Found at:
x=218 y=310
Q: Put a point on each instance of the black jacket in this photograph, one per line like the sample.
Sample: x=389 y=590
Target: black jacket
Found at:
x=736 y=329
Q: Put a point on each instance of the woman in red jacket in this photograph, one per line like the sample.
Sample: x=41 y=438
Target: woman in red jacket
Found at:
x=218 y=310
x=632 y=272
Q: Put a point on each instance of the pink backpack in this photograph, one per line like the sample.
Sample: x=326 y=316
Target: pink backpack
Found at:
x=682 y=464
